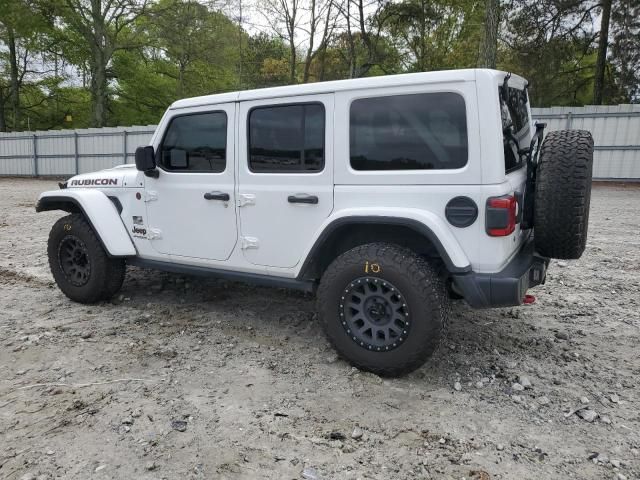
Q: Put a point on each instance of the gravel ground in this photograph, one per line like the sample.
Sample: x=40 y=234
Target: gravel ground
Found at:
x=183 y=378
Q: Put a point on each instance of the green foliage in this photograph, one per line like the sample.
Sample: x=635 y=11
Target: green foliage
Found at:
x=432 y=36
x=265 y=62
x=157 y=51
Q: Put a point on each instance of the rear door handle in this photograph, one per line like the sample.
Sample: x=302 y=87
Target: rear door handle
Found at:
x=303 y=198
x=217 y=196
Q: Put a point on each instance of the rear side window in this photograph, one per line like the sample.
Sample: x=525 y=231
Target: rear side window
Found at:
x=287 y=138
x=195 y=143
x=426 y=131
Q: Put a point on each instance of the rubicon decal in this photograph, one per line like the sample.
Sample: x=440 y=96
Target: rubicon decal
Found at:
x=90 y=182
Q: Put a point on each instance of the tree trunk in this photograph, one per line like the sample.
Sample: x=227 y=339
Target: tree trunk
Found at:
x=422 y=63
x=362 y=70
x=603 y=44
x=98 y=88
x=14 y=92
x=292 y=61
x=3 y=122
x=181 y=70
x=491 y=24
x=312 y=34
x=98 y=64
x=323 y=63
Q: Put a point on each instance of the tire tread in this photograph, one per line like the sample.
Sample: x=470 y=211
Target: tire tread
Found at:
x=563 y=193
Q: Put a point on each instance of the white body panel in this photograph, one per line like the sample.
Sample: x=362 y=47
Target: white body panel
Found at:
x=276 y=232
x=181 y=222
x=259 y=231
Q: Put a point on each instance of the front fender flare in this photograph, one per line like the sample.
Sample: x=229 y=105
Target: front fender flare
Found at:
x=99 y=210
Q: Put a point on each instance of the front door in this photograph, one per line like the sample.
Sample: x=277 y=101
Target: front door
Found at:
x=190 y=206
x=285 y=176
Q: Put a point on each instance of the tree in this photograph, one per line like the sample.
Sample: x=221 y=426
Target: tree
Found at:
x=104 y=27
x=265 y=61
x=625 y=51
x=603 y=44
x=322 y=18
x=283 y=18
x=551 y=43
x=15 y=23
x=426 y=34
x=192 y=37
x=488 y=57
x=29 y=73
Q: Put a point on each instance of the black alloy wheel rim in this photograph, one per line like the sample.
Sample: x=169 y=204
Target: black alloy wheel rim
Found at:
x=374 y=314
x=74 y=260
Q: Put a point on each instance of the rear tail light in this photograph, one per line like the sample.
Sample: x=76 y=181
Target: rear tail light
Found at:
x=501 y=215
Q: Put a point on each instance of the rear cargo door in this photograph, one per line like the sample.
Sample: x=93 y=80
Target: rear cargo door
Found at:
x=517 y=133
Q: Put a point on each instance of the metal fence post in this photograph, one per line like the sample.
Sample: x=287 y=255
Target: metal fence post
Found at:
x=35 y=155
x=124 y=146
x=76 y=155
x=569 y=120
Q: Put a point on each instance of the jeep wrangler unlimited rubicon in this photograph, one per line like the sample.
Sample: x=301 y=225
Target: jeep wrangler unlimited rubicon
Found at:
x=387 y=196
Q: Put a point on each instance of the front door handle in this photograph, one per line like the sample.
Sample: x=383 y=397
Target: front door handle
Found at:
x=303 y=198
x=217 y=196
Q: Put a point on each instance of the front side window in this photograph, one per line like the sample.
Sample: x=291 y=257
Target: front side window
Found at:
x=195 y=143
x=426 y=131
x=287 y=139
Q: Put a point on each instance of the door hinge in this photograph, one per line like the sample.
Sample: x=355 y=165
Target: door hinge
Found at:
x=248 y=242
x=154 y=233
x=150 y=195
x=246 y=199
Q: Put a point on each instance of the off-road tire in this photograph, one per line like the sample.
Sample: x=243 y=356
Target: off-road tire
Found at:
x=106 y=274
x=563 y=194
x=418 y=282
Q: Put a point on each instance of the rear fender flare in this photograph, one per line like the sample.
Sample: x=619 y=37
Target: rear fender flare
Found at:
x=99 y=210
x=426 y=224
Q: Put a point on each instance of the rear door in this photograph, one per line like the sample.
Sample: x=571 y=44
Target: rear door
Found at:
x=285 y=176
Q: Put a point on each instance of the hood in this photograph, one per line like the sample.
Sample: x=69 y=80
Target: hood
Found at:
x=120 y=176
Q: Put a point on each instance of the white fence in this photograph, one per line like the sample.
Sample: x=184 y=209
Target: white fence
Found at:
x=616 y=134
x=616 y=130
x=68 y=152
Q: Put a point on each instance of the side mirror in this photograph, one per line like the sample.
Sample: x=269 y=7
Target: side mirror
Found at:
x=145 y=159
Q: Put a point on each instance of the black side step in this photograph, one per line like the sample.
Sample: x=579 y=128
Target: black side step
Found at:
x=253 y=278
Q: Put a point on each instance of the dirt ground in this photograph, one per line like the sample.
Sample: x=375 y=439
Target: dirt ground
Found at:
x=180 y=377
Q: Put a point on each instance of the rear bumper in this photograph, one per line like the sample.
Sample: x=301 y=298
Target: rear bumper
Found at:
x=505 y=288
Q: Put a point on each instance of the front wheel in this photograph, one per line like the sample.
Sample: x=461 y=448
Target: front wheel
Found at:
x=383 y=308
x=79 y=264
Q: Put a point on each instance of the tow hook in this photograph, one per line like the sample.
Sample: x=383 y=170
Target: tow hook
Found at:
x=529 y=299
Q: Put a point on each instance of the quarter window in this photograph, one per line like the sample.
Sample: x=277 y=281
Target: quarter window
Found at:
x=287 y=139
x=426 y=131
x=195 y=143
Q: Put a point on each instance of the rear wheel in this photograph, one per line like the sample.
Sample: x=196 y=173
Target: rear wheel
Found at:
x=563 y=194
x=383 y=308
x=80 y=266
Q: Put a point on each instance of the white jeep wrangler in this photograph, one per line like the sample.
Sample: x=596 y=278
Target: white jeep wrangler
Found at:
x=387 y=195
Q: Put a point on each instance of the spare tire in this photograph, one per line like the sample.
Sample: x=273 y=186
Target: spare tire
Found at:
x=563 y=194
